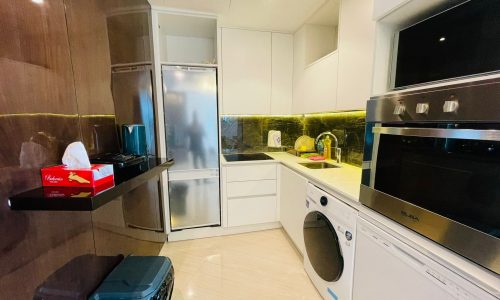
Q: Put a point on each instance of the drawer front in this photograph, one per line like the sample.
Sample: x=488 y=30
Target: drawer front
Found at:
x=251 y=210
x=253 y=172
x=251 y=188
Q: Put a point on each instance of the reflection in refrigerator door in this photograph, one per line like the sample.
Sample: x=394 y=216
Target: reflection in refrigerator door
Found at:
x=133 y=99
x=191 y=123
x=190 y=105
x=194 y=203
x=141 y=206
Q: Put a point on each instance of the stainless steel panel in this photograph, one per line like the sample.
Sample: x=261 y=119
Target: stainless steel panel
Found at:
x=471 y=243
x=142 y=208
x=194 y=203
x=466 y=134
x=133 y=100
x=474 y=102
x=190 y=101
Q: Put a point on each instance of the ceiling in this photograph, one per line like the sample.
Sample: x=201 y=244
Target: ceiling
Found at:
x=327 y=15
x=207 y=6
x=275 y=15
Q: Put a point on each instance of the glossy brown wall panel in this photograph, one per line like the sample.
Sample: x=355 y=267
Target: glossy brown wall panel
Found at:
x=36 y=74
x=55 y=72
x=88 y=38
x=38 y=118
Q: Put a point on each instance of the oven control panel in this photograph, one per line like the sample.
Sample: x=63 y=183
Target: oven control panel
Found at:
x=477 y=101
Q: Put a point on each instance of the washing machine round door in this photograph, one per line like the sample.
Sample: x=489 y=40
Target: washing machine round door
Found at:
x=322 y=246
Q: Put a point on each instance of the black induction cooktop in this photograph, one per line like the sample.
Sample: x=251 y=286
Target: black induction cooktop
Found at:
x=247 y=157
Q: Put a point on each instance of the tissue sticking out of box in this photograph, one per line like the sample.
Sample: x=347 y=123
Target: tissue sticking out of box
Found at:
x=76 y=157
x=274 y=138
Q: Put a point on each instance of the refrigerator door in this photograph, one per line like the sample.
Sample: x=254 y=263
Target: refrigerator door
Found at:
x=190 y=105
x=133 y=99
x=194 y=199
x=141 y=208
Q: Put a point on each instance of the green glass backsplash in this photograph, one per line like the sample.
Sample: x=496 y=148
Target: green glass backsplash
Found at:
x=247 y=134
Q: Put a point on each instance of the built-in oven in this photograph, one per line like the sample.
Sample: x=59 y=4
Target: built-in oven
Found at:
x=432 y=164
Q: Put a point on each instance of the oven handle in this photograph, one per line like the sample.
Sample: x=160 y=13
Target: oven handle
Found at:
x=465 y=134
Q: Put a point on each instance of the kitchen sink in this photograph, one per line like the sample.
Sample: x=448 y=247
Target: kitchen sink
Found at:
x=320 y=165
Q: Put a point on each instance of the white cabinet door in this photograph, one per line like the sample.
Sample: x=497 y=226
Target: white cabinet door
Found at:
x=246 y=71
x=282 y=73
x=356 y=53
x=319 y=85
x=292 y=205
x=251 y=210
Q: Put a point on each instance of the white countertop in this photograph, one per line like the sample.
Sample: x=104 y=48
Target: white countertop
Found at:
x=342 y=182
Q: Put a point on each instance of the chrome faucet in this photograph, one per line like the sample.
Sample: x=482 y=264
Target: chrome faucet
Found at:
x=338 y=151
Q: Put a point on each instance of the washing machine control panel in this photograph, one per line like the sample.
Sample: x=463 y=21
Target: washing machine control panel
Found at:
x=339 y=210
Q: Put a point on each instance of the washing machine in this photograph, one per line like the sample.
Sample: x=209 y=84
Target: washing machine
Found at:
x=329 y=237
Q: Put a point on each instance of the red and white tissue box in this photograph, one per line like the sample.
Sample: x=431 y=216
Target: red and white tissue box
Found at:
x=96 y=175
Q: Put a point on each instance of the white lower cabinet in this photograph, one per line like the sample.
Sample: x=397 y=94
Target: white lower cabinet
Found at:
x=293 y=192
x=251 y=210
x=251 y=194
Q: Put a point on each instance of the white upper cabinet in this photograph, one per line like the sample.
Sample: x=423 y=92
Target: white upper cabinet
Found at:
x=315 y=66
x=257 y=70
x=315 y=89
x=356 y=54
x=246 y=71
x=282 y=73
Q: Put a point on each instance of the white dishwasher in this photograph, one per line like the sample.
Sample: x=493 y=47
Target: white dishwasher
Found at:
x=387 y=269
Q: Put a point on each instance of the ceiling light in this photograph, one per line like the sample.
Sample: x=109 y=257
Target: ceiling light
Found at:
x=442 y=39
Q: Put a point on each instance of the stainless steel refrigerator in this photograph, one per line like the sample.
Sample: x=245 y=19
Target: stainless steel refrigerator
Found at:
x=191 y=124
x=133 y=101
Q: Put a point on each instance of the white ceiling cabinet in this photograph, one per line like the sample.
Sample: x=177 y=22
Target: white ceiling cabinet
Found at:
x=282 y=73
x=186 y=39
x=257 y=69
x=356 y=54
x=246 y=71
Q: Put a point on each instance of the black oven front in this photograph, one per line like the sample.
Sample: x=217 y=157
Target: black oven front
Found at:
x=436 y=169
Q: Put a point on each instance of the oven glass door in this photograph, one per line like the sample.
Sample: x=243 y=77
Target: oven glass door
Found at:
x=449 y=169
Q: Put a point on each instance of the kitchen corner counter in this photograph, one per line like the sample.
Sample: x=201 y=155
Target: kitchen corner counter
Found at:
x=343 y=182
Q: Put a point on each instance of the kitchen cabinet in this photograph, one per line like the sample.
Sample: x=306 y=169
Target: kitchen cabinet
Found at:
x=316 y=89
x=356 y=54
x=293 y=190
x=246 y=71
x=282 y=73
x=250 y=194
x=257 y=70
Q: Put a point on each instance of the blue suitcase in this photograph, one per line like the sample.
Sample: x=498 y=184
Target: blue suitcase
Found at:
x=138 y=278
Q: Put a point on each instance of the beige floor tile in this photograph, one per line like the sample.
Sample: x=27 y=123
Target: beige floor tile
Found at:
x=259 y=265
